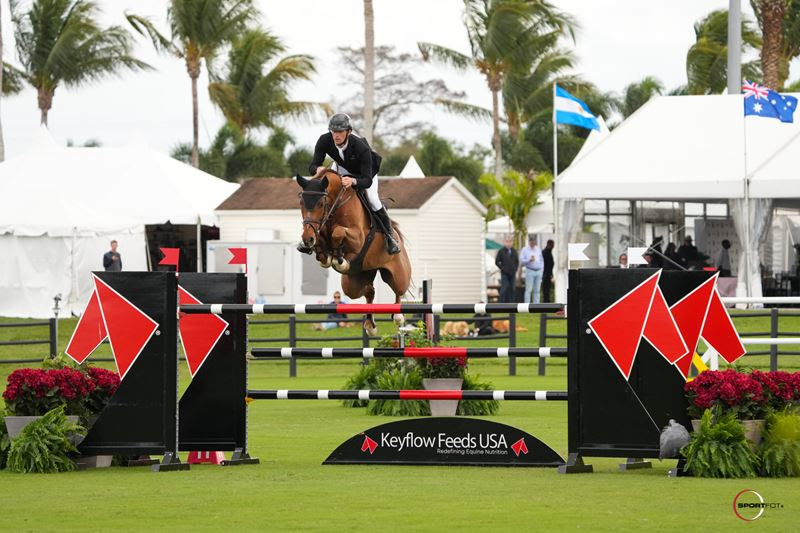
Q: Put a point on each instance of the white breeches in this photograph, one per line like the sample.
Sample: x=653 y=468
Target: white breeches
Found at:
x=372 y=193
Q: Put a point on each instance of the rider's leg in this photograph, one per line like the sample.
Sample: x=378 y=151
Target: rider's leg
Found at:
x=383 y=217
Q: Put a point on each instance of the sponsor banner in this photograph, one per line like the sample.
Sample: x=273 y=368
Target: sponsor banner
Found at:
x=445 y=441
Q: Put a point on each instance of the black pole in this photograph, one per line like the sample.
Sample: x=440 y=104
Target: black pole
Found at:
x=542 y=341
x=512 y=343
x=293 y=344
x=53 y=337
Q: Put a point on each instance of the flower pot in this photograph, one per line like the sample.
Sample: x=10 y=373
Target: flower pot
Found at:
x=753 y=430
x=15 y=424
x=443 y=407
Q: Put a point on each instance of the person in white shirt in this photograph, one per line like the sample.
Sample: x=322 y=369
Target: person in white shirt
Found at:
x=533 y=265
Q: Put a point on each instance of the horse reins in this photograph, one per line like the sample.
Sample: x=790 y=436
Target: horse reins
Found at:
x=317 y=225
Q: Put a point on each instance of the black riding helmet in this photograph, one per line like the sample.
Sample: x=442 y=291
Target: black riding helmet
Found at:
x=340 y=122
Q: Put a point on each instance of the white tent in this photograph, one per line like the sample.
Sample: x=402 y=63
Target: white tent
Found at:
x=693 y=148
x=60 y=207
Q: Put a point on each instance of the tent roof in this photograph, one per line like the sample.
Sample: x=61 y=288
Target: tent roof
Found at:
x=57 y=190
x=685 y=147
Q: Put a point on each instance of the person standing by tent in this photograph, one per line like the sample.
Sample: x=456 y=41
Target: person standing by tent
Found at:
x=724 y=260
x=531 y=258
x=547 y=273
x=508 y=262
x=112 y=260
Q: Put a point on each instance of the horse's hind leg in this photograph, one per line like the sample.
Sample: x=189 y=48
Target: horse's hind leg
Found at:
x=356 y=286
x=399 y=287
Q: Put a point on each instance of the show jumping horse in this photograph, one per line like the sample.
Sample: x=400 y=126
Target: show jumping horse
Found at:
x=337 y=226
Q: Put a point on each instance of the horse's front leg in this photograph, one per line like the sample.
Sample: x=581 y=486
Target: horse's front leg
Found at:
x=399 y=319
x=338 y=240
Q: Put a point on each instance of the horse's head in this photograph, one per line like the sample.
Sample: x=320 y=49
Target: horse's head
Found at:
x=314 y=203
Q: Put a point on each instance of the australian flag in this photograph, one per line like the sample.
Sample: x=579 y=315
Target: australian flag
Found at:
x=764 y=102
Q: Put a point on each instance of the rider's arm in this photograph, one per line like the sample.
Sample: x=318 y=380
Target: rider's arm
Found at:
x=319 y=156
x=364 y=179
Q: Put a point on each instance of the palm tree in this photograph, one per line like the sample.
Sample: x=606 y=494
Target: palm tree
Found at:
x=786 y=40
x=516 y=194
x=770 y=17
x=252 y=95
x=501 y=34
x=233 y=156
x=707 y=59
x=528 y=95
x=62 y=42
x=198 y=30
x=369 y=69
x=635 y=95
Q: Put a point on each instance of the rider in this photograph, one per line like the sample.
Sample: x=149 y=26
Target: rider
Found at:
x=358 y=165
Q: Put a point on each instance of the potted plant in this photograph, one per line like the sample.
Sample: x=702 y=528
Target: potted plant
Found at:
x=732 y=392
x=32 y=392
x=718 y=448
x=45 y=445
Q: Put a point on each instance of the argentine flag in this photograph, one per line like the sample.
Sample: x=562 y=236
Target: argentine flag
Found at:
x=570 y=110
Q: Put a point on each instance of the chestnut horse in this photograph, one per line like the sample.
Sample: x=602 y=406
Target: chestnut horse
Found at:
x=336 y=225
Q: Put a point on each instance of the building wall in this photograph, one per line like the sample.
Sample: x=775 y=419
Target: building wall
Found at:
x=445 y=244
x=234 y=225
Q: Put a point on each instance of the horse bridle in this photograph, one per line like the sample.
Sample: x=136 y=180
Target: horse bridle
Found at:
x=316 y=225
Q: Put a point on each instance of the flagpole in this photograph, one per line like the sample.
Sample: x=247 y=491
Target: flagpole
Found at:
x=746 y=207
x=556 y=222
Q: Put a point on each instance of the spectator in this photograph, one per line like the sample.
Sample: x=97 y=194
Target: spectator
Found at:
x=724 y=260
x=508 y=262
x=547 y=274
x=671 y=253
x=623 y=260
x=531 y=258
x=112 y=260
x=334 y=319
x=687 y=253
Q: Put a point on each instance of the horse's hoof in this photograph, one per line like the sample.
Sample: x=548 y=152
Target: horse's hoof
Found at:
x=371 y=328
x=341 y=265
x=326 y=263
x=399 y=319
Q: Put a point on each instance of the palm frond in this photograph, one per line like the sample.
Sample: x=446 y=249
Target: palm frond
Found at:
x=463 y=109
x=444 y=55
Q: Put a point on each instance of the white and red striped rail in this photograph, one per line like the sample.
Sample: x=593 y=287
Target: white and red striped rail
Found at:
x=326 y=309
x=433 y=351
x=284 y=394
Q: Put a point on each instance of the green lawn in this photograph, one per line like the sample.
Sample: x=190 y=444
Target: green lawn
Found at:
x=291 y=490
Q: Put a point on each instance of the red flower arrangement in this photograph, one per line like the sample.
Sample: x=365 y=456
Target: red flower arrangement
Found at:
x=105 y=385
x=33 y=391
x=750 y=396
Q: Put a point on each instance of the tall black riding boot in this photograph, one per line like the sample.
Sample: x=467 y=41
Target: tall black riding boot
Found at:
x=383 y=219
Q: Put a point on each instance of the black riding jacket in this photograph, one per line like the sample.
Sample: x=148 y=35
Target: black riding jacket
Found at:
x=359 y=158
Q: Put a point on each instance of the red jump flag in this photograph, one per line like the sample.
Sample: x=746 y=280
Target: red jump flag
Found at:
x=238 y=257
x=171 y=256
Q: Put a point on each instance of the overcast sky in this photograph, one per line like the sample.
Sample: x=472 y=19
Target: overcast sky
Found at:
x=619 y=41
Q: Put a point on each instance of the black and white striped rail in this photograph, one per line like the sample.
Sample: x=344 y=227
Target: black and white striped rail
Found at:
x=434 y=351
x=326 y=309
x=286 y=394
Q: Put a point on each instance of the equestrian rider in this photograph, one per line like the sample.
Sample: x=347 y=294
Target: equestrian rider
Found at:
x=358 y=165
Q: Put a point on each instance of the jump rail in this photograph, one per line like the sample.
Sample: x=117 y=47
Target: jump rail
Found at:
x=438 y=351
x=761 y=300
x=325 y=309
x=282 y=394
